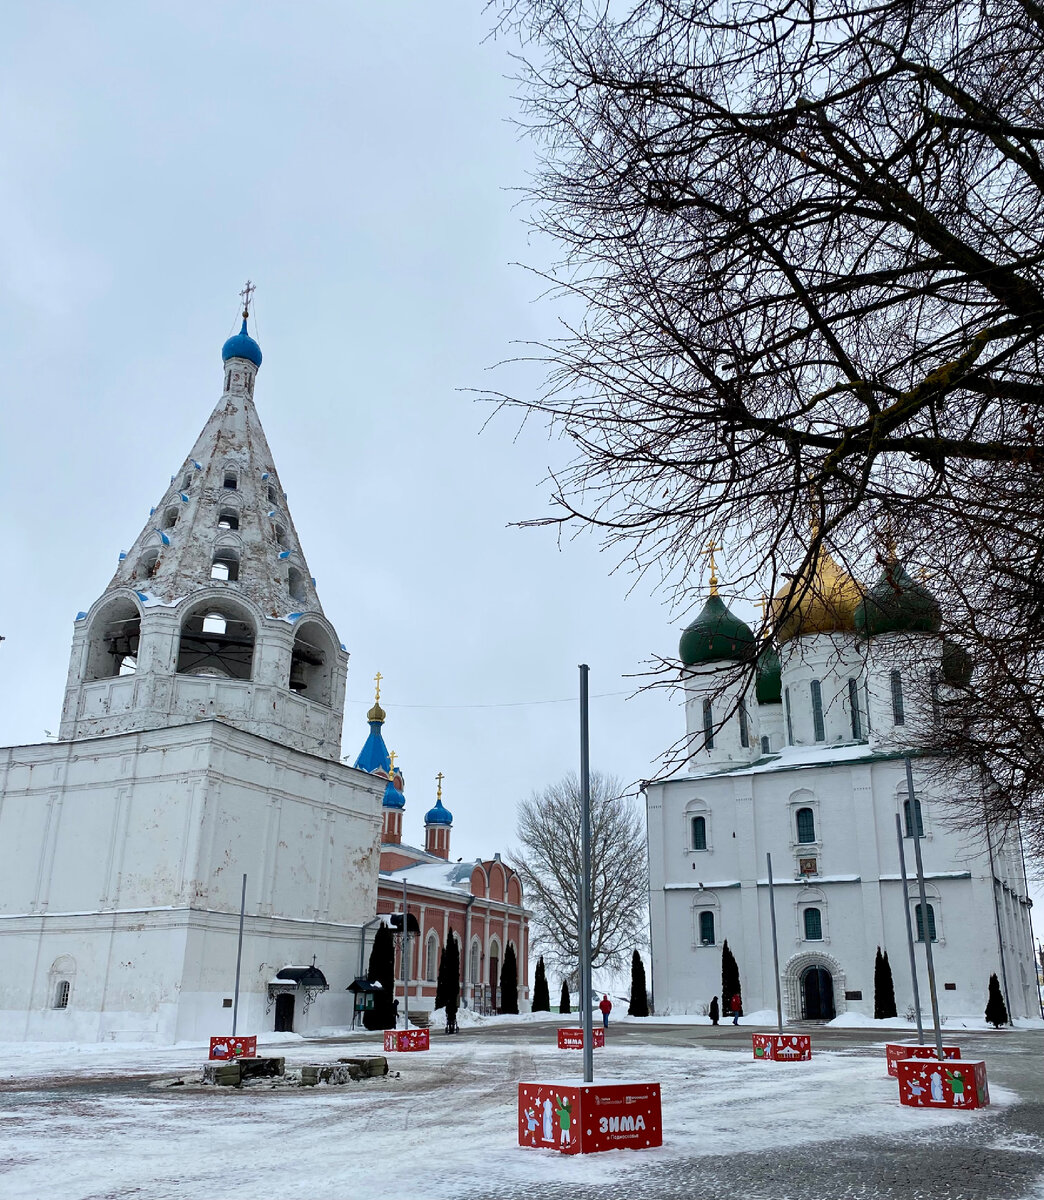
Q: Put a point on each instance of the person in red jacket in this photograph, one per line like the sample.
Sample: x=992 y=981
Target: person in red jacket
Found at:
x=736 y=1007
x=606 y=1005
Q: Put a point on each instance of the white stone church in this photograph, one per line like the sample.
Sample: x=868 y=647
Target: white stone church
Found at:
x=805 y=762
x=200 y=740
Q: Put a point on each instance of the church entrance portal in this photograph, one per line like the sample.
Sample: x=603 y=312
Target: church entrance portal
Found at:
x=284 y=1013
x=817 y=995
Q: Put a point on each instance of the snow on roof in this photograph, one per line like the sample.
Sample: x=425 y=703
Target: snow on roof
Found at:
x=440 y=875
x=791 y=758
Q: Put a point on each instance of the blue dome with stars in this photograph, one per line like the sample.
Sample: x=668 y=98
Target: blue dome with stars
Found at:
x=242 y=345
x=438 y=815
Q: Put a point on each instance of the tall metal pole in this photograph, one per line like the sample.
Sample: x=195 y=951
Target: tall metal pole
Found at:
x=925 y=926
x=405 y=961
x=585 y=890
x=909 y=927
x=239 y=958
x=775 y=947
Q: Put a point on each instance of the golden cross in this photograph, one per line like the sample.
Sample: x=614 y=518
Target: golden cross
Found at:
x=440 y=777
x=763 y=605
x=391 y=756
x=712 y=547
x=377 y=680
x=246 y=293
x=923 y=574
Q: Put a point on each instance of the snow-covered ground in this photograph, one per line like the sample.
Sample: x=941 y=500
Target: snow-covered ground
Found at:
x=439 y=1129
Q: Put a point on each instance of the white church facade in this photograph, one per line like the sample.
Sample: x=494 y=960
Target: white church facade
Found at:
x=200 y=741
x=804 y=760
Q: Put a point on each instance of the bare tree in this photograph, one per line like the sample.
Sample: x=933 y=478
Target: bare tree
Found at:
x=807 y=241
x=549 y=863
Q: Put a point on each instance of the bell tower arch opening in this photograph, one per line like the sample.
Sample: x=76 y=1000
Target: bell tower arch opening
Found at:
x=217 y=639
x=311 y=663
x=112 y=644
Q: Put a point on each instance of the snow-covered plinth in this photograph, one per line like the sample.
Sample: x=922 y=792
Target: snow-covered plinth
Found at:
x=928 y=1083
x=895 y=1052
x=571 y=1037
x=406 y=1039
x=782 y=1047
x=582 y=1118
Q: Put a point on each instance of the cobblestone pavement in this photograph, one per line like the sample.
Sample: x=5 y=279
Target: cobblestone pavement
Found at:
x=998 y=1159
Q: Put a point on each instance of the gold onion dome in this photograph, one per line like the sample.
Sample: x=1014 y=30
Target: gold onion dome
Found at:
x=823 y=602
x=376 y=713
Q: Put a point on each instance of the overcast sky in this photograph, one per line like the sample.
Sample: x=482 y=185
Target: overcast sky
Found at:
x=359 y=162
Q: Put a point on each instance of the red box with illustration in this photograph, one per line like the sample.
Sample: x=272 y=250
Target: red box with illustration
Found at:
x=782 y=1047
x=572 y=1038
x=583 y=1118
x=929 y=1083
x=896 y=1051
x=226 y=1048
x=406 y=1039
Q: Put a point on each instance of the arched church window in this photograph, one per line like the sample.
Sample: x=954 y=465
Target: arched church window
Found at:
x=280 y=535
x=908 y=817
x=813 y=925
x=148 y=562
x=295 y=584
x=228 y=518
x=898 y=716
x=818 y=727
x=806 y=825
x=273 y=495
x=217 y=640
x=706 y=928
x=170 y=516
x=112 y=644
x=473 y=963
x=431 y=957
x=699 y=833
x=786 y=709
x=853 y=704
x=186 y=481
x=920 y=923
x=225 y=565
x=231 y=483
x=61 y=994
x=708 y=726
x=936 y=702
x=744 y=725
x=311 y=664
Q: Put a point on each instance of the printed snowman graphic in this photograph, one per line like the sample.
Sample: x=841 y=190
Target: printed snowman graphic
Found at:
x=549 y=1126
x=936 y=1085
x=564 y=1115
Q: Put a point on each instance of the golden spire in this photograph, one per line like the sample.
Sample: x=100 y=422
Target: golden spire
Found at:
x=438 y=794
x=377 y=713
x=712 y=548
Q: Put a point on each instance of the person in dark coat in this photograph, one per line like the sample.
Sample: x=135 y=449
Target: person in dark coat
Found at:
x=737 y=1008
x=715 y=1012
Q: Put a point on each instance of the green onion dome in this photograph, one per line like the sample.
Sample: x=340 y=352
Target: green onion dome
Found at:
x=898 y=604
x=956 y=664
x=768 y=683
x=716 y=634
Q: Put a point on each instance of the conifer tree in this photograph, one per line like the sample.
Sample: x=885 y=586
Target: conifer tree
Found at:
x=447 y=990
x=541 y=998
x=730 y=980
x=509 y=982
x=884 y=987
x=639 y=1006
x=996 y=1009
x=381 y=969
x=563 y=1002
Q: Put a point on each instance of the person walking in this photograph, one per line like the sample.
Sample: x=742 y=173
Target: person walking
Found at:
x=715 y=1012
x=736 y=1005
x=606 y=1006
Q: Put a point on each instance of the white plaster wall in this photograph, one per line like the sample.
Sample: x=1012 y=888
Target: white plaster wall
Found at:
x=833 y=659
x=719 y=684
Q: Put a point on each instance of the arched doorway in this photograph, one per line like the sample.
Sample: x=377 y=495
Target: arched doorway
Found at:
x=817 y=994
x=284 y=1012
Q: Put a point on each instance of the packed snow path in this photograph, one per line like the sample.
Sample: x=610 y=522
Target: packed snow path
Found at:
x=85 y=1117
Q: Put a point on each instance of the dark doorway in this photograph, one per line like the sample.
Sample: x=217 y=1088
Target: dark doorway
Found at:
x=817 y=991
x=494 y=982
x=284 y=1014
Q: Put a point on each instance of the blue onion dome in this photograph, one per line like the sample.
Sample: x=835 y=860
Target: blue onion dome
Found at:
x=898 y=604
x=242 y=345
x=715 y=635
x=768 y=682
x=393 y=792
x=438 y=815
x=956 y=664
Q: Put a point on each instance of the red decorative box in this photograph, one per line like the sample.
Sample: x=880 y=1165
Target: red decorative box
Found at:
x=583 y=1118
x=896 y=1051
x=928 y=1083
x=406 y=1039
x=572 y=1038
x=224 y=1048
x=782 y=1047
